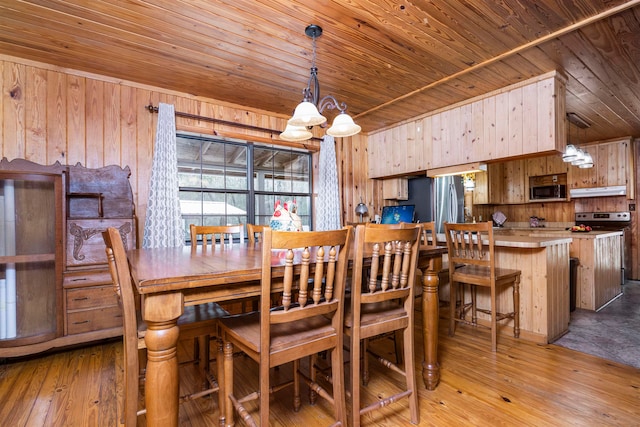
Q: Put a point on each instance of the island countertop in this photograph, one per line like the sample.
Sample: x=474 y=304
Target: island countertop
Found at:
x=530 y=241
x=553 y=233
x=521 y=239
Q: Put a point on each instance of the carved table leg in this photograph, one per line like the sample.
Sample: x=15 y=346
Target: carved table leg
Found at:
x=430 y=307
x=161 y=314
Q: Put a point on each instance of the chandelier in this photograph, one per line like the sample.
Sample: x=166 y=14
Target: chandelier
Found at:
x=573 y=154
x=309 y=112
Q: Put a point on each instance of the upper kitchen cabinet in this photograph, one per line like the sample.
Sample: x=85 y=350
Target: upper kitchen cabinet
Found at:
x=395 y=189
x=515 y=182
x=516 y=121
x=503 y=183
x=397 y=151
x=489 y=185
x=612 y=166
x=546 y=165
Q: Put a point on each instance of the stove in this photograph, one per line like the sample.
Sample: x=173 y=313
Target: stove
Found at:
x=604 y=220
x=611 y=221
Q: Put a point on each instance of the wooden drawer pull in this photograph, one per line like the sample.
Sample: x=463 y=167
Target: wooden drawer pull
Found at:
x=80 y=323
x=81 y=299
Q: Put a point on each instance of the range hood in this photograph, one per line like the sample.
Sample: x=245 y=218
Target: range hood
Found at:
x=617 y=190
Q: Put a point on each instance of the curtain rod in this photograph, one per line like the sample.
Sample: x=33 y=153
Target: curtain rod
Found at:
x=154 y=109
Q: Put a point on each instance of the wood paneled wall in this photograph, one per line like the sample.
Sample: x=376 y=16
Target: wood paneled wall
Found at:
x=50 y=114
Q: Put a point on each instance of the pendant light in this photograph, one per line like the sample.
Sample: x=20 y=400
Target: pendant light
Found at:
x=309 y=112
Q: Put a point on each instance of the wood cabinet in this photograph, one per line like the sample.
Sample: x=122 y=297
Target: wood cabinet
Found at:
x=547 y=165
x=488 y=186
x=612 y=166
x=91 y=303
x=599 y=277
x=395 y=189
x=515 y=183
x=516 y=121
x=31 y=253
x=53 y=268
x=97 y=199
x=544 y=286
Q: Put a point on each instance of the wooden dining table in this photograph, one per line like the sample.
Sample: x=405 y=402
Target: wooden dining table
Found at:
x=170 y=278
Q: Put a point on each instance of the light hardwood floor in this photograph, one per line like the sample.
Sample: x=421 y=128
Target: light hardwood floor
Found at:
x=523 y=384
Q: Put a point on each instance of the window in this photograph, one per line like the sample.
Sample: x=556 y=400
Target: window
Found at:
x=215 y=188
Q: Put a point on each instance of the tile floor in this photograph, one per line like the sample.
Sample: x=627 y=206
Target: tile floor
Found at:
x=612 y=333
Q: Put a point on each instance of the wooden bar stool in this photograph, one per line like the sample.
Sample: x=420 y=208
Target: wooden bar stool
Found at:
x=472 y=262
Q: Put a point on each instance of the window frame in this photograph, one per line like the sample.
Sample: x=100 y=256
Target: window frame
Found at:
x=251 y=193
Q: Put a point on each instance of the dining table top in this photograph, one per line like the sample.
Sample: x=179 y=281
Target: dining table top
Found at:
x=182 y=268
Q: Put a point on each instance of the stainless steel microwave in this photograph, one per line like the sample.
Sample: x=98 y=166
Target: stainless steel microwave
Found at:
x=553 y=191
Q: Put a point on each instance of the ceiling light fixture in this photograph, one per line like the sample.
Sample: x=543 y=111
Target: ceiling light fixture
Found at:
x=573 y=154
x=309 y=112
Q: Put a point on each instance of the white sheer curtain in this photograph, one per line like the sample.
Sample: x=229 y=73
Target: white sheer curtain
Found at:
x=328 y=202
x=163 y=224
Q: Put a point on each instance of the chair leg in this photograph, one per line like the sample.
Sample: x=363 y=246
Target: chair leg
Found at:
x=313 y=376
x=222 y=401
x=397 y=342
x=264 y=393
x=494 y=325
x=228 y=384
x=409 y=368
x=355 y=380
x=452 y=307
x=516 y=307
x=202 y=344
x=296 y=385
x=474 y=307
x=365 y=362
x=339 y=398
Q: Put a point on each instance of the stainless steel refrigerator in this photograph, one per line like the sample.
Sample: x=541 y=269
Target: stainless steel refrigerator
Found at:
x=449 y=200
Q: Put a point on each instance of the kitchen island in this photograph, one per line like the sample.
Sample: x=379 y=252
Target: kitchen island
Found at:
x=599 y=274
x=544 y=284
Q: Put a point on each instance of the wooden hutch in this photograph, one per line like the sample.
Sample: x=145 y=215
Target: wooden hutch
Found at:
x=55 y=288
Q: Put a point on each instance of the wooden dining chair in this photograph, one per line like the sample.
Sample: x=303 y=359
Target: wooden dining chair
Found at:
x=313 y=266
x=215 y=234
x=472 y=262
x=195 y=321
x=254 y=232
x=384 y=305
x=212 y=235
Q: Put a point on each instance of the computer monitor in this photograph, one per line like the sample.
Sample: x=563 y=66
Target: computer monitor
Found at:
x=397 y=214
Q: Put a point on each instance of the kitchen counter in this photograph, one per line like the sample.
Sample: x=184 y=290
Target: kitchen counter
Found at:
x=522 y=239
x=532 y=240
x=544 y=284
x=599 y=274
x=553 y=232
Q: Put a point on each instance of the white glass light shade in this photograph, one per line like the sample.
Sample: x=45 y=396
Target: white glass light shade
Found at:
x=343 y=126
x=570 y=153
x=587 y=163
x=295 y=133
x=306 y=114
x=579 y=158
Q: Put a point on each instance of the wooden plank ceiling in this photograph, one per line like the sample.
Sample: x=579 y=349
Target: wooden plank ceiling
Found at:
x=389 y=60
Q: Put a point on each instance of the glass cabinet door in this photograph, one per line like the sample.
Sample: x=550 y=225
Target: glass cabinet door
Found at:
x=30 y=257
